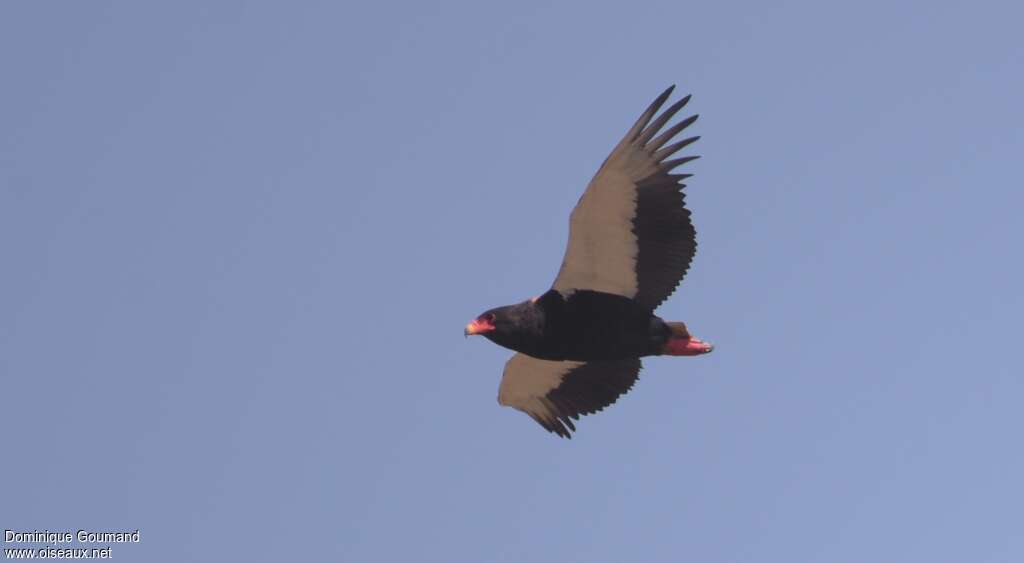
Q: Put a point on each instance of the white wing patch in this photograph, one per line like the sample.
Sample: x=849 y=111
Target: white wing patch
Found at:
x=527 y=381
x=603 y=247
x=556 y=393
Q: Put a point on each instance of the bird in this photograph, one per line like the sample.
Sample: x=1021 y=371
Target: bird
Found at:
x=631 y=241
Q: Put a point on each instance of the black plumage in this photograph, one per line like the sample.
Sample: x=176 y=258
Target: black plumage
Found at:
x=631 y=241
x=583 y=325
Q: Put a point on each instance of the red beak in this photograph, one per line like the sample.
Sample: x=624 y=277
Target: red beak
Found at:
x=478 y=326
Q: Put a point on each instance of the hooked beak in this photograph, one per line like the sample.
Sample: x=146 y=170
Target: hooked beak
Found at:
x=478 y=327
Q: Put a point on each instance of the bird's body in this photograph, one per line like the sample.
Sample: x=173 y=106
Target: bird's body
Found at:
x=630 y=244
x=584 y=325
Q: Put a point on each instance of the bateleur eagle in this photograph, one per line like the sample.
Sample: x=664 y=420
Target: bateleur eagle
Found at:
x=630 y=243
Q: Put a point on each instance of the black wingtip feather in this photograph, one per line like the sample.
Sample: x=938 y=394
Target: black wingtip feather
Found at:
x=646 y=116
x=674 y=148
x=652 y=129
x=671 y=132
x=587 y=389
x=668 y=165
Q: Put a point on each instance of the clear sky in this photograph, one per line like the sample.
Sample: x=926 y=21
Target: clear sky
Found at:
x=240 y=242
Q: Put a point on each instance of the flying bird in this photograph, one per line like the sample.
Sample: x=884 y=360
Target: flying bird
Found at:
x=631 y=242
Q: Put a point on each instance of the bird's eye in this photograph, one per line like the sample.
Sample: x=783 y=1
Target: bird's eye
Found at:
x=489 y=317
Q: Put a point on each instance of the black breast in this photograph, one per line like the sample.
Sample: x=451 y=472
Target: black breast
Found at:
x=591 y=325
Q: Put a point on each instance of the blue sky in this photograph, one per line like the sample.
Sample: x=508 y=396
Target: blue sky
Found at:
x=240 y=242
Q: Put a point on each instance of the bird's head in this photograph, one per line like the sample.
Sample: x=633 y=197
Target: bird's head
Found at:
x=507 y=325
x=518 y=327
x=487 y=323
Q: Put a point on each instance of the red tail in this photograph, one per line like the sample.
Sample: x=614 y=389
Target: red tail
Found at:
x=681 y=343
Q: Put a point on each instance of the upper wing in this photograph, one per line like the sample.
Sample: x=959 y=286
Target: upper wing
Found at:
x=630 y=234
x=555 y=393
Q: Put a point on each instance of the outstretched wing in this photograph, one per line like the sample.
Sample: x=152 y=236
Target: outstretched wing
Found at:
x=556 y=393
x=630 y=234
